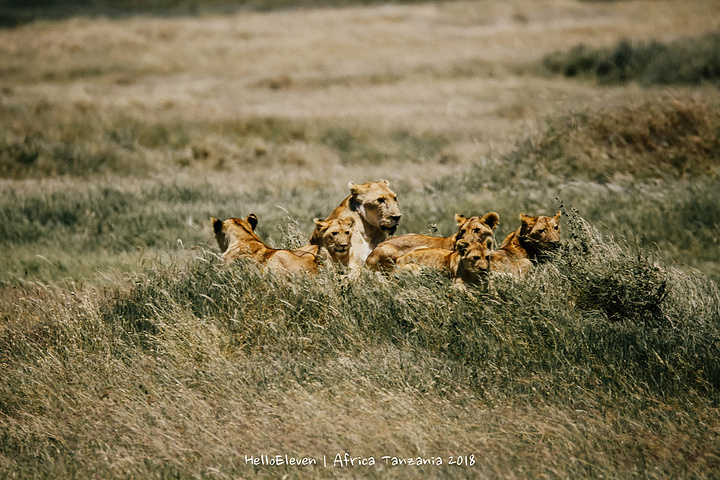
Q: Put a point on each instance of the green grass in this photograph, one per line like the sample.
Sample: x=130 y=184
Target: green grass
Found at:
x=44 y=139
x=647 y=172
x=691 y=60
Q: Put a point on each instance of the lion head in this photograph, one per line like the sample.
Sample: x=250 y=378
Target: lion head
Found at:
x=376 y=204
x=477 y=229
x=474 y=257
x=238 y=233
x=541 y=233
x=335 y=236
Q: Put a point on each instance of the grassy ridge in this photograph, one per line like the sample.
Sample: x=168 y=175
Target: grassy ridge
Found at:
x=691 y=60
x=46 y=140
x=188 y=335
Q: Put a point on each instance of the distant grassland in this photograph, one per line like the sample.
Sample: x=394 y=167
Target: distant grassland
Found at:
x=690 y=60
x=15 y=12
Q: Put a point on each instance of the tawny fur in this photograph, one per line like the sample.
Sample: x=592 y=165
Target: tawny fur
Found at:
x=475 y=228
x=335 y=239
x=468 y=263
x=375 y=211
x=524 y=247
x=236 y=238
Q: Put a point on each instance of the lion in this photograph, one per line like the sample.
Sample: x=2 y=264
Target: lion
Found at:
x=375 y=211
x=476 y=228
x=335 y=237
x=468 y=263
x=236 y=238
x=529 y=244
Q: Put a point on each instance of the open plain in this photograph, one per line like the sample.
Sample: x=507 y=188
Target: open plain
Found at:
x=129 y=350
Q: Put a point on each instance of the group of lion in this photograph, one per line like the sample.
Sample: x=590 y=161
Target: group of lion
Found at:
x=356 y=235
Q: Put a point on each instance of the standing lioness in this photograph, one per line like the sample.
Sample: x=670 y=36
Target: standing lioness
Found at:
x=374 y=208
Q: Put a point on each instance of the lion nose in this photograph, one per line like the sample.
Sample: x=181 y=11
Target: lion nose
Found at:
x=396 y=218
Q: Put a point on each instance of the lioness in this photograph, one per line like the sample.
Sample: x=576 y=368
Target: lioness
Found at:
x=374 y=208
x=335 y=238
x=468 y=263
x=472 y=229
x=237 y=239
x=536 y=237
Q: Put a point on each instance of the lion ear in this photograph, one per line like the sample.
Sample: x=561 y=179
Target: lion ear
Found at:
x=387 y=184
x=351 y=221
x=217 y=224
x=354 y=188
x=557 y=216
x=320 y=223
x=526 y=219
x=460 y=219
x=252 y=219
x=492 y=220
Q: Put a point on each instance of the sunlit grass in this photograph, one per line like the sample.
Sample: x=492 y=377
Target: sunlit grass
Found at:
x=128 y=349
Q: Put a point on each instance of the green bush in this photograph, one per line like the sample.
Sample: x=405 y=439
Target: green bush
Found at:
x=687 y=61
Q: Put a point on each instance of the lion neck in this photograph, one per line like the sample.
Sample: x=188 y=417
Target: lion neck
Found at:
x=515 y=245
x=248 y=246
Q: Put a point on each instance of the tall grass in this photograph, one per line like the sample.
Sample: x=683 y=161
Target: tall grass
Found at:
x=177 y=373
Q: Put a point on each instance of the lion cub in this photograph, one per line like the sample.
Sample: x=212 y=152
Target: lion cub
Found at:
x=536 y=237
x=335 y=238
x=468 y=263
x=384 y=256
x=237 y=239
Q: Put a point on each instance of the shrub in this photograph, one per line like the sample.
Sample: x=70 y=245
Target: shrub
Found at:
x=666 y=138
x=690 y=61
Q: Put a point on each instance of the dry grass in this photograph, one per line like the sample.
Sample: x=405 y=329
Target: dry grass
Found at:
x=128 y=351
x=440 y=67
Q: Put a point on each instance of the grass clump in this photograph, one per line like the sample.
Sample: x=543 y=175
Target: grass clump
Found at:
x=687 y=61
x=660 y=139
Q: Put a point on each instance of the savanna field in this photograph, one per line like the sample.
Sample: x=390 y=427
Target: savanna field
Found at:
x=129 y=349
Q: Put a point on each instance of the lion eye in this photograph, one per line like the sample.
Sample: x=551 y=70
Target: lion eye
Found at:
x=381 y=200
x=477 y=230
x=334 y=234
